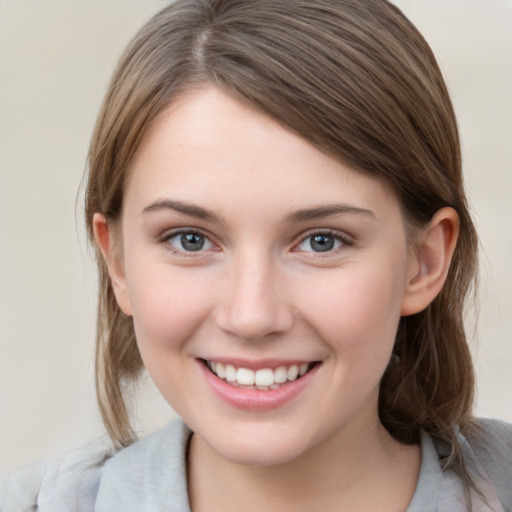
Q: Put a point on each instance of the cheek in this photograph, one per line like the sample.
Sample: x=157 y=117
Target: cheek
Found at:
x=356 y=316
x=357 y=311
x=168 y=307
x=168 y=310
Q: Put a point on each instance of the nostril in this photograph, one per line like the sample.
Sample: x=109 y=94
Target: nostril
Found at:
x=254 y=324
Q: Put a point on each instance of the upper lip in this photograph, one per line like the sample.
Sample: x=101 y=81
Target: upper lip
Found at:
x=253 y=364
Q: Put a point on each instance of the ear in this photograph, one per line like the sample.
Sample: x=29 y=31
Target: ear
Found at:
x=430 y=261
x=103 y=233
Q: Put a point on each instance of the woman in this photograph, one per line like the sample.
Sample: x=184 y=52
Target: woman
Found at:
x=275 y=193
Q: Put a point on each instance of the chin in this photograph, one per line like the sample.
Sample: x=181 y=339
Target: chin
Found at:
x=258 y=446
x=259 y=454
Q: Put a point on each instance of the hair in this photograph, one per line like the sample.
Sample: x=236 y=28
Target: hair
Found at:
x=356 y=80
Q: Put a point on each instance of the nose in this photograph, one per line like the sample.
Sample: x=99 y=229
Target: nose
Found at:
x=253 y=305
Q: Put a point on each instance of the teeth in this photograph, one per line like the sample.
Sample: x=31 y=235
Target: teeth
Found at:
x=220 y=370
x=281 y=375
x=245 y=377
x=263 y=379
x=230 y=373
x=293 y=372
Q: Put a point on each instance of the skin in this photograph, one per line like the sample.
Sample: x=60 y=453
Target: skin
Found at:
x=258 y=290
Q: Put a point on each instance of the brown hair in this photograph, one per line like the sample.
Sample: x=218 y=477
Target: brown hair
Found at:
x=355 y=79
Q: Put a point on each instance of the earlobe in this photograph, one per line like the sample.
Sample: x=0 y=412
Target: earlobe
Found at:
x=433 y=256
x=104 y=236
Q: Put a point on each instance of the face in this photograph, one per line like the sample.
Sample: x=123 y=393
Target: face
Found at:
x=265 y=280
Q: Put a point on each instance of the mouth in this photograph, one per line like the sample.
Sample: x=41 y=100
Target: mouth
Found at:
x=261 y=379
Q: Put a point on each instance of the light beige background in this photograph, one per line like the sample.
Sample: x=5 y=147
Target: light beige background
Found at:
x=55 y=60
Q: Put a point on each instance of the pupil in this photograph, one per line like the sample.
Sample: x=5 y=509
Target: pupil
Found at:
x=192 y=241
x=322 y=243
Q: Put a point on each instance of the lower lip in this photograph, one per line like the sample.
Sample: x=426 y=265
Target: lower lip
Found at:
x=254 y=399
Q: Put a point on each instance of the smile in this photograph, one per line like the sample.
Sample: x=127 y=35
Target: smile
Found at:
x=263 y=379
x=253 y=386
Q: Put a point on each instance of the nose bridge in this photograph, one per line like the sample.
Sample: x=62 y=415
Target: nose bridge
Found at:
x=254 y=303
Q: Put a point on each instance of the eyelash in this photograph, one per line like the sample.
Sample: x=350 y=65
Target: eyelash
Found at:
x=344 y=241
x=166 y=237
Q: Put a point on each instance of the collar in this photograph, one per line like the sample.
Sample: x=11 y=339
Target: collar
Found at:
x=151 y=475
x=148 y=475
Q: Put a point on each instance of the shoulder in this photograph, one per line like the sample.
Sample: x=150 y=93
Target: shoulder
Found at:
x=491 y=441
x=19 y=490
x=148 y=475
x=67 y=484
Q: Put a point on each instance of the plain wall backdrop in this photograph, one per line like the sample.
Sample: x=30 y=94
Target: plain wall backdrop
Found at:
x=56 y=57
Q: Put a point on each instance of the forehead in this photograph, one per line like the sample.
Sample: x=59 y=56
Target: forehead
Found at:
x=211 y=148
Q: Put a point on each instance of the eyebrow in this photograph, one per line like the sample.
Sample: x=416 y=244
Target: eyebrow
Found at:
x=191 y=210
x=326 y=211
x=301 y=215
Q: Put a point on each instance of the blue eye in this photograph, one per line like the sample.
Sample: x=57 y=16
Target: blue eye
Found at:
x=320 y=242
x=189 y=241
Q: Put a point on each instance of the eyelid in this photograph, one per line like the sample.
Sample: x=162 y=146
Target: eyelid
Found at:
x=345 y=239
x=171 y=233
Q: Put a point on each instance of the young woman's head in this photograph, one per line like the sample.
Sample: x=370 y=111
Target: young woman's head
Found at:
x=281 y=182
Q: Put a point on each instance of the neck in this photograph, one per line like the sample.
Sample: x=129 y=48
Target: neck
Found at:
x=354 y=469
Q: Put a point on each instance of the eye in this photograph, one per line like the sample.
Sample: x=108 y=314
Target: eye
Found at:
x=188 y=241
x=321 y=242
